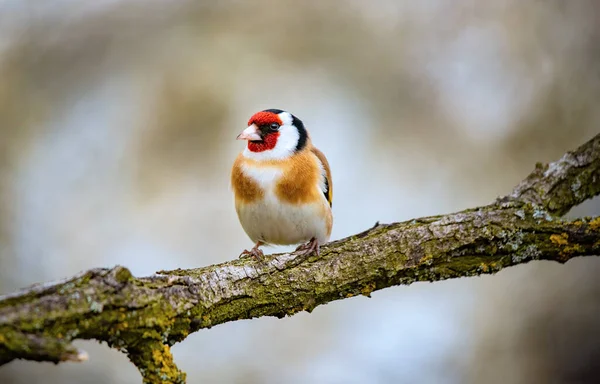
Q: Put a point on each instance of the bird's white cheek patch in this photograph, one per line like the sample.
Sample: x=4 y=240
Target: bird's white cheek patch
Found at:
x=284 y=148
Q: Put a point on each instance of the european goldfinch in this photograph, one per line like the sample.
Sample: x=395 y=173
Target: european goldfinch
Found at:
x=282 y=185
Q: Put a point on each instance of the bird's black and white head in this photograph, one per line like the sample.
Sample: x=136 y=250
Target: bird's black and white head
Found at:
x=273 y=134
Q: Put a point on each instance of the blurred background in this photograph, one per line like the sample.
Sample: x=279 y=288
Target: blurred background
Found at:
x=117 y=128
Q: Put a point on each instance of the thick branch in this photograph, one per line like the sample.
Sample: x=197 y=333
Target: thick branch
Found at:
x=143 y=316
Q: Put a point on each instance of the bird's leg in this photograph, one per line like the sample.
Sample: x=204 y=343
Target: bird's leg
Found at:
x=255 y=252
x=310 y=247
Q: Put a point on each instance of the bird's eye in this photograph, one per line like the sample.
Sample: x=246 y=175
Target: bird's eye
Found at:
x=274 y=127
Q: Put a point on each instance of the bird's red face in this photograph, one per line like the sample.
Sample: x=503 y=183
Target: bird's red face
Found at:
x=262 y=132
x=273 y=134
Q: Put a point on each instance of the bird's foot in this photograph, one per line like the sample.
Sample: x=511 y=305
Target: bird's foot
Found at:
x=254 y=253
x=311 y=247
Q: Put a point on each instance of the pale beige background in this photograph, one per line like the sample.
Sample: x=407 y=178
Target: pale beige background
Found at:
x=117 y=127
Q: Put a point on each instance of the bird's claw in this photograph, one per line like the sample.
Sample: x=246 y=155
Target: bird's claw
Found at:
x=309 y=248
x=254 y=253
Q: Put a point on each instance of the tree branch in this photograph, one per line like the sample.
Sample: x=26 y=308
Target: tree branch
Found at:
x=144 y=316
x=557 y=187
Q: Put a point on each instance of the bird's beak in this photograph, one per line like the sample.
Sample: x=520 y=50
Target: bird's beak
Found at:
x=250 y=134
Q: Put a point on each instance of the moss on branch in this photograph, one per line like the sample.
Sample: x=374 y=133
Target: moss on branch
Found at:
x=144 y=316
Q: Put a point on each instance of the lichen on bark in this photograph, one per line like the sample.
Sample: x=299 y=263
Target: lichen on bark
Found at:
x=144 y=316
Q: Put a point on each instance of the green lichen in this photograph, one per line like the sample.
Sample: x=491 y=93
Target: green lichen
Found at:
x=530 y=252
x=426 y=260
x=123 y=275
x=520 y=214
x=96 y=307
x=541 y=214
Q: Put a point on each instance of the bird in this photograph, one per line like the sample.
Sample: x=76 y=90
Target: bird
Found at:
x=282 y=185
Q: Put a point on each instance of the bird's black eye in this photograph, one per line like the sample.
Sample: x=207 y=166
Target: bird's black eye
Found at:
x=274 y=127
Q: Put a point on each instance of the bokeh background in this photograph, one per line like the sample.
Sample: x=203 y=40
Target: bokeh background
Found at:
x=117 y=127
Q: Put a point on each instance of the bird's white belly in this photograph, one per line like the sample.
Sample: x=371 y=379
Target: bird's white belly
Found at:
x=273 y=222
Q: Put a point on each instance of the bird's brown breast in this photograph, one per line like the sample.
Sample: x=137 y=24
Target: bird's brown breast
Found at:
x=300 y=175
x=286 y=191
x=300 y=178
x=246 y=189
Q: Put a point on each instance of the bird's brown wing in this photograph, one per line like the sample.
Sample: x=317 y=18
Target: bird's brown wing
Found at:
x=328 y=181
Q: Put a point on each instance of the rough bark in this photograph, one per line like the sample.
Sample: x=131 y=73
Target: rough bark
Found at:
x=144 y=316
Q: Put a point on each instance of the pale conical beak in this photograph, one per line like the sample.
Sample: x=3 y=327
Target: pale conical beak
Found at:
x=250 y=134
